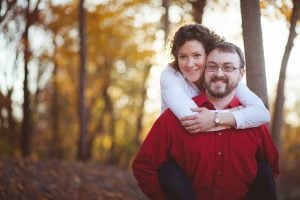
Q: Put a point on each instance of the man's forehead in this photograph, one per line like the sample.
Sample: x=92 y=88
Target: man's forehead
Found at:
x=221 y=56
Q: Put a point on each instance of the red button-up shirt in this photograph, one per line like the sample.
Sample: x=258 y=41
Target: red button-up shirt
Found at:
x=220 y=164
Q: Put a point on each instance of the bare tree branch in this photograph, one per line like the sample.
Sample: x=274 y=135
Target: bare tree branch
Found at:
x=10 y=5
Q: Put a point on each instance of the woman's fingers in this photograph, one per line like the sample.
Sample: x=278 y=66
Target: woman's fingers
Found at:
x=188 y=124
x=186 y=118
x=199 y=109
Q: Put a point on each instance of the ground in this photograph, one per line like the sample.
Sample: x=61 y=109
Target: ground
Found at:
x=65 y=180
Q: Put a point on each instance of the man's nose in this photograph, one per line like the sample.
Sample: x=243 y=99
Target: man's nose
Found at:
x=219 y=72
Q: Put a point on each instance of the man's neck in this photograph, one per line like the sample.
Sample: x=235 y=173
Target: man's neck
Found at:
x=220 y=103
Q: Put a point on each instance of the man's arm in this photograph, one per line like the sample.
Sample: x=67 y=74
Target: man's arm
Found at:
x=151 y=155
x=269 y=151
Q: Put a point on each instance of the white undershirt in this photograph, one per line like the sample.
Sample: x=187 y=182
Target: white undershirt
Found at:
x=177 y=94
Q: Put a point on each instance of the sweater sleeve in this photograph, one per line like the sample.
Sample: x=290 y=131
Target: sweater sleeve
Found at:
x=151 y=155
x=254 y=112
x=173 y=94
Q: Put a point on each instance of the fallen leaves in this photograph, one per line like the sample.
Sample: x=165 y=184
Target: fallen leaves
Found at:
x=65 y=180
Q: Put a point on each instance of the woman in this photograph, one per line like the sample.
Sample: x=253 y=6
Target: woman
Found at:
x=182 y=80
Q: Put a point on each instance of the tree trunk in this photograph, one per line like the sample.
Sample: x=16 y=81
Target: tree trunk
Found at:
x=26 y=123
x=55 y=150
x=253 y=43
x=279 y=103
x=12 y=123
x=82 y=141
x=109 y=111
x=8 y=125
x=166 y=23
x=140 y=115
x=198 y=9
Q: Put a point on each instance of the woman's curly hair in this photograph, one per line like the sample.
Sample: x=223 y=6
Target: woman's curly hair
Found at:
x=190 y=32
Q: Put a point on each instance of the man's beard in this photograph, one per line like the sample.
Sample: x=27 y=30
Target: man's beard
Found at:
x=220 y=93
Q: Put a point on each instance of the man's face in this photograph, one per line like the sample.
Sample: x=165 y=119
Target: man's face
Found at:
x=219 y=83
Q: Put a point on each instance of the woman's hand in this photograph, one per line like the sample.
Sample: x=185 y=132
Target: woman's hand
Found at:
x=202 y=121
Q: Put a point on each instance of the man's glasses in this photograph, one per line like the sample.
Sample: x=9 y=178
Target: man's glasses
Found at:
x=225 y=68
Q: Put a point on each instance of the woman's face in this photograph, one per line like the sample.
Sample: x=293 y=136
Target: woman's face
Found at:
x=191 y=61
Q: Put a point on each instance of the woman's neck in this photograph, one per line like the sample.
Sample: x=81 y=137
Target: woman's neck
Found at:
x=199 y=84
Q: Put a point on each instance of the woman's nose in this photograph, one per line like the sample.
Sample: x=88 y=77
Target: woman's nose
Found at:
x=190 y=62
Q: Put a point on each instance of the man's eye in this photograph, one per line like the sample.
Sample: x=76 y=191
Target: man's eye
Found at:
x=213 y=67
x=228 y=68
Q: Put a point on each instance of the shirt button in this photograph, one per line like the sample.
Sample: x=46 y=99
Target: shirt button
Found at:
x=218 y=191
x=219 y=133
x=219 y=172
x=219 y=153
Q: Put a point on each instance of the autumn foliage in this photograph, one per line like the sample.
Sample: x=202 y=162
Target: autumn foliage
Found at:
x=39 y=117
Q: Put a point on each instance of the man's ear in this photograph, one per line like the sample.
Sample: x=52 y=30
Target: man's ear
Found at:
x=242 y=72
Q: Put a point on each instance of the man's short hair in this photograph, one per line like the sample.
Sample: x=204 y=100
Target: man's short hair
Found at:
x=231 y=48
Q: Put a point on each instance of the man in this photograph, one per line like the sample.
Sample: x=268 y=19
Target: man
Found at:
x=220 y=164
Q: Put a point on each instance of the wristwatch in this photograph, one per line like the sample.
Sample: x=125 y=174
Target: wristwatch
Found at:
x=217 y=118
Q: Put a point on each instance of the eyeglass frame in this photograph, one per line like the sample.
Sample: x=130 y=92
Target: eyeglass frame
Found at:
x=222 y=68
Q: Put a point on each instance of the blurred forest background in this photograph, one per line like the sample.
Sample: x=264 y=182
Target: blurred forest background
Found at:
x=79 y=80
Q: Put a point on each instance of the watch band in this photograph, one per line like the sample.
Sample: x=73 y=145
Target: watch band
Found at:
x=217 y=118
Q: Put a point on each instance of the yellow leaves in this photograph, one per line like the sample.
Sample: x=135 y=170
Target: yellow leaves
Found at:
x=61 y=16
x=263 y=4
x=286 y=9
x=120 y=51
x=277 y=9
x=106 y=142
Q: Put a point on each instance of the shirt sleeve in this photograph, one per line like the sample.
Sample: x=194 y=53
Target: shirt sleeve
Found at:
x=151 y=155
x=173 y=94
x=269 y=151
x=254 y=112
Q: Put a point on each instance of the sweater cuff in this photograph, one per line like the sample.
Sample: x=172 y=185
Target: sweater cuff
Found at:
x=239 y=119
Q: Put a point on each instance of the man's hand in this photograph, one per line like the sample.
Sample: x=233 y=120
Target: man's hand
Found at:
x=202 y=121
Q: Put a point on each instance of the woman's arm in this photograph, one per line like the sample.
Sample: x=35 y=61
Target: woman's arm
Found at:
x=177 y=95
x=254 y=112
x=174 y=93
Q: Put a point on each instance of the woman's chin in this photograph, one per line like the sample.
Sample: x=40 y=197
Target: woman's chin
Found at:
x=194 y=79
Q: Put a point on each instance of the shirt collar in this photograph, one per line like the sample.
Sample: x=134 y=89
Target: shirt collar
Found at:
x=202 y=101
